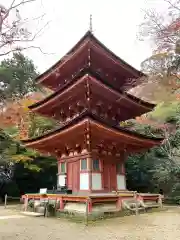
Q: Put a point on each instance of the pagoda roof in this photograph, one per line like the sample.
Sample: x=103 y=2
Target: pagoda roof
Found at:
x=99 y=127
x=88 y=40
x=137 y=105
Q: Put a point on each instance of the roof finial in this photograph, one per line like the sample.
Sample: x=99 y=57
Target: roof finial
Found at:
x=90 y=24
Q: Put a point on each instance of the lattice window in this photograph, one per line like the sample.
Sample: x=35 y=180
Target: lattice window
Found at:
x=119 y=168
x=63 y=167
x=96 y=164
x=83 y=164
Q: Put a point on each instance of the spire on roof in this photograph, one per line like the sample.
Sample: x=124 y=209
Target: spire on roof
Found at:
x=90 y=24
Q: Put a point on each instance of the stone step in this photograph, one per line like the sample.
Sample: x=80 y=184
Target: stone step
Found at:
x=32 y=214
x=151 y=205
x=11 y=217
x=139 y=208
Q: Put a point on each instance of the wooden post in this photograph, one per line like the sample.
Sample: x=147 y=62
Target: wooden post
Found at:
x=119 y=203
x=33 y=204
x=46 y=209
x=55 y=207
x=136 y=201
x=136 y=211
x=5 y=201
x=135 y=194
x=26 y=204
x=160 y=201
x=86 y=215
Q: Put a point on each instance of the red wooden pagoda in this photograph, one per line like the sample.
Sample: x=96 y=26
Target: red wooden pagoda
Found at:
x=89 y=101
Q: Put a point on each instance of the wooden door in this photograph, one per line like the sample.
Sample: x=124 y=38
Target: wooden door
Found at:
x=73 y=176
x=113 y=178
x=109 y=177
x=106 y=177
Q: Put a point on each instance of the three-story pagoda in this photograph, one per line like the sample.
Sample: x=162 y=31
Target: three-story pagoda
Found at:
x=90 y=101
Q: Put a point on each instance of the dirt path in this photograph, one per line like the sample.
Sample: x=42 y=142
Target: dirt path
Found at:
x=159 y=225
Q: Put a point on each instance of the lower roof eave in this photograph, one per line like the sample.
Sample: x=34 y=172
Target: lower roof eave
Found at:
x=97 y=123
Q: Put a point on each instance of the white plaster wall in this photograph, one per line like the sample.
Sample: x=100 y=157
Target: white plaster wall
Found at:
x=96 y=181
x=121 y=182
x=84 y=181
x=61 y=180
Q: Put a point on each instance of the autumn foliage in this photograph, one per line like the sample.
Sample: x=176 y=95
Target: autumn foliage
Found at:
x=16 y=113
x=147 y=121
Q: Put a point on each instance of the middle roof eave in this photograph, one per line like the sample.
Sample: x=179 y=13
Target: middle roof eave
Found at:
x=82 y=75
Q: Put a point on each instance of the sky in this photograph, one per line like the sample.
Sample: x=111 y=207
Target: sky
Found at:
x=115 y=24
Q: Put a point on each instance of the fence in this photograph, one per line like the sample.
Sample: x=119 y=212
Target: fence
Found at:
x=12 y=202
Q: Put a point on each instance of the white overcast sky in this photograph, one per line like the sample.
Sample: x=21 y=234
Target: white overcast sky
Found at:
x=115 y=23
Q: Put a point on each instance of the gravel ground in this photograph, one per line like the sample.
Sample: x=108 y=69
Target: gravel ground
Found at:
x=157 y=225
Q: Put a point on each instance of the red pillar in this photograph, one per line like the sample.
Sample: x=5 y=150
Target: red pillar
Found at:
x=61 y=203
x=119 y=203
x=89 y=206
x=90 y=173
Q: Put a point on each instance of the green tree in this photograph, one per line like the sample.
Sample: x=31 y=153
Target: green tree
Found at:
x=30 y=181
x=158 y=168
x=19 y=166
x=41 y=125
x=17 y=76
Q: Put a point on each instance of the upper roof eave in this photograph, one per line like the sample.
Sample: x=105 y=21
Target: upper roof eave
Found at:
x=89 y=35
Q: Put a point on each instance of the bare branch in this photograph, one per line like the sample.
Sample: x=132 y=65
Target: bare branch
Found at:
x=172 y=5
x=15 y=30
x=163 y=67
x=21 y=3
x=157 y=28
x=24 y=48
